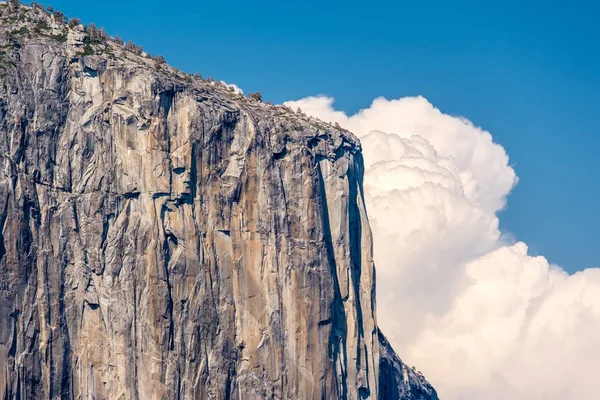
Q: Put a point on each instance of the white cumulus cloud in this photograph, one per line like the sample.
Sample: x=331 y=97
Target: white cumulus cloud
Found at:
x=472 y=310
x=236 y=89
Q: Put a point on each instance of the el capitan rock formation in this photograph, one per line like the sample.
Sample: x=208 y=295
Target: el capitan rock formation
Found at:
x=163 y=237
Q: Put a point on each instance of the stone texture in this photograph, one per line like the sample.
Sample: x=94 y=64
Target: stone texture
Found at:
x=163 y=237
x=397 y=380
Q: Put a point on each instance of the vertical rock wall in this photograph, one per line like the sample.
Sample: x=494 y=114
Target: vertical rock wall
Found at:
x=163 y=238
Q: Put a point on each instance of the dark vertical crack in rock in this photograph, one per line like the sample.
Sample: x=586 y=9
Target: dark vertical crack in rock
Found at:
x=163 y=237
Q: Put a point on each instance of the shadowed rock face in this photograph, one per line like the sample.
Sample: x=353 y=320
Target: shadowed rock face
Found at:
x=165 y=238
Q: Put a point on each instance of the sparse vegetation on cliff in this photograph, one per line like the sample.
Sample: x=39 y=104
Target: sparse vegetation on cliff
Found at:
x=22 y=21
x=255 y=96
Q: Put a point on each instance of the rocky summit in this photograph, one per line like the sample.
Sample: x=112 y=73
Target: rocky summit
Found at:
x=164 y=237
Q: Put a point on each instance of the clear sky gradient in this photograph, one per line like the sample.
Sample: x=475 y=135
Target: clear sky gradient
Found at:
x=529 y=72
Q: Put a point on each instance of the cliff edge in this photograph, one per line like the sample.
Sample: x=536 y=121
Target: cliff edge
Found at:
x=165 y=237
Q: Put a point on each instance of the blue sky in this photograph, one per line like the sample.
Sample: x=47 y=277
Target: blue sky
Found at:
x=529 y=73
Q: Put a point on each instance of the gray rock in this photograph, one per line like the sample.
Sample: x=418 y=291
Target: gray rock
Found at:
x=397 y=380
x=163 y=237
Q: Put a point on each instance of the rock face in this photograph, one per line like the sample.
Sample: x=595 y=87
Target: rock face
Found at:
x=163 y=237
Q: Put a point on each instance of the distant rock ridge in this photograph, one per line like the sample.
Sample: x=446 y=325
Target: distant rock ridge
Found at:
x=164 y=237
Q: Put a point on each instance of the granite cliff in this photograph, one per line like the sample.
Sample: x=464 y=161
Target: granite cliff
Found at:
x=164 y=237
